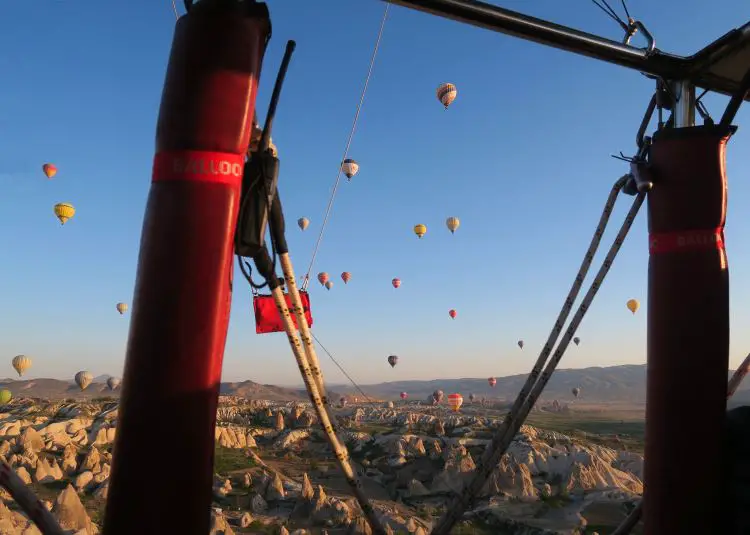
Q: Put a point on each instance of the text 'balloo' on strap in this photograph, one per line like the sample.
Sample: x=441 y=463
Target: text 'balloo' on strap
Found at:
x=686 y=241
x=198 y=166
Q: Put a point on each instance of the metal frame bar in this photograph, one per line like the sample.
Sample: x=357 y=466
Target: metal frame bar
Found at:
x=693 y=68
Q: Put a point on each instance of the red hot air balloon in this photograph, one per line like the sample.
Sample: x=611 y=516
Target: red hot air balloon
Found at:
x=452 y=313
x=404 y=395
x=346 y=277
x=49 y=170
x=322 y=277
x=396 y=283
x=492 y=381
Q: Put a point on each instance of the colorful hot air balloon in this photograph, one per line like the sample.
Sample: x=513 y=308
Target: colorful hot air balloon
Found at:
x=393 y=360
x=64 y=211
x=455 y=401
x=520 y=344
x=322 y=277
x=576 y=391
x=576 y=340
x=49 y=170
x=122 y=308
x=21 y=363
x=633 y=305
x=113 y=382
x=328 y=285
x=303 y=223
x=420 y=230
x=396 y=283
x=83 y=379
x=452 y=313
x=404 y=395
x=446 y=94
x=5 y=396
x=452 y=223
x=350 y=168
x=346 y=277
x=492 y=381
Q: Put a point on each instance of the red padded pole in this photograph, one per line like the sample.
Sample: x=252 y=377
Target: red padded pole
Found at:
x=688 y=331
x=183 y=287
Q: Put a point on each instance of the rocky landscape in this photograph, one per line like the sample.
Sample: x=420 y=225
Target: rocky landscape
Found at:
x=275 y=473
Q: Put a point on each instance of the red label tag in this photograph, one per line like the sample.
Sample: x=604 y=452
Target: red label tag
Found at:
x=200 y=166
x=686 y=240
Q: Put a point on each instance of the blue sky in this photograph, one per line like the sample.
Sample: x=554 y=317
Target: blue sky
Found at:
x=522 y=157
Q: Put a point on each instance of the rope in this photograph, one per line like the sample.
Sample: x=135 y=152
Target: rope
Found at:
x=174 y=8
x=346 y=149
x=352 y=381
x=538 y=379
x=627 y=525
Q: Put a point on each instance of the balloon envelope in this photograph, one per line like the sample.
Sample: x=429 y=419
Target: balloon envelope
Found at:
x=83 y=379
x=5 y=396
x=49 y=170
x=446 y=94
x=21 y=363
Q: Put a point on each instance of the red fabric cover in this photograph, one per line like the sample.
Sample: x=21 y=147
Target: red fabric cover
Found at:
x=267 y=318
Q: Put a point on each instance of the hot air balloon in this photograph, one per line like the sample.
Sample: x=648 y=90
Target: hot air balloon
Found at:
x=455 y=401
x=328 y=285
x=446 y=94
x=393 y=360
x=350 y=168
x=452 y=223
x=633 y=305
x=520 y=344
x=472 y=397
x=64 y=211
x=346 y=277
x=21 y=363
x=323 y=277
x=83 y=379
x=437 y=395
x=303 y=223
x=404 y=395
x=492 y=381
x=420 y=230
x=5 y=396
x=122 y=308
x=396 y=283
x=452 y=313
x=342 y=402
x=576 y=340
x=49 y=170
x=113 y=382
x=356 y=399
x=576 y=391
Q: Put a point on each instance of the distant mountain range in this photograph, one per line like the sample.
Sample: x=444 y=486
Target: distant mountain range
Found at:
x=57 y=389
x=615 y=384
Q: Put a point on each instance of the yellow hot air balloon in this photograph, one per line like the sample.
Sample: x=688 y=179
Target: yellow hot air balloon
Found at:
x=64 y=211
x=5 y=396
x=633 y=305
x=122 y=308
x=21 y=363
x=452 y=223
x=420 y=230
